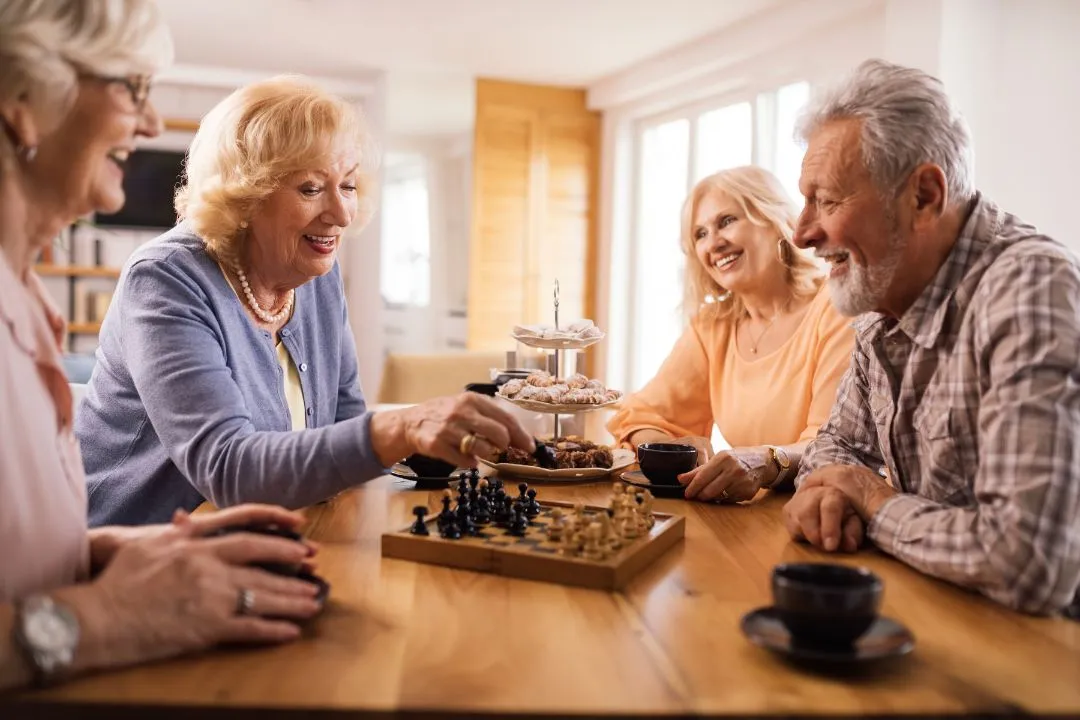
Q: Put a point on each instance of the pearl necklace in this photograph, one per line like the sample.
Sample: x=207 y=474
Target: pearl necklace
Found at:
x=263 y=315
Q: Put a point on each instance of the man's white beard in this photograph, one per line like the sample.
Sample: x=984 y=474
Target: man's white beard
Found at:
x=861 y=289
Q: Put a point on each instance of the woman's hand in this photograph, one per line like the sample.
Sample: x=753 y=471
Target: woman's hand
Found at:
x=439 y=428
x=734 y=475
x=106 y=541
x=703 y=445
x=174 y=592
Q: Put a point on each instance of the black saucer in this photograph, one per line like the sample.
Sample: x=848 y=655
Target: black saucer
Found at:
x=886 y=638
x=423 y=483
x=638 y=480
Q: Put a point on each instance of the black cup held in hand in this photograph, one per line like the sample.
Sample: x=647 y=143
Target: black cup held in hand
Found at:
x=823 y=604
x=662 y=463
x=428 y=467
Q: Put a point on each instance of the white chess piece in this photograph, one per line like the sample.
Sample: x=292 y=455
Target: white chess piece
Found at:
x=593 y=549
x=557 y=526
x=647 y=509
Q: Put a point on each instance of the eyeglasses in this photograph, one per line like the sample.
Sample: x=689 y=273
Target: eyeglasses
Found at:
x=137 y=85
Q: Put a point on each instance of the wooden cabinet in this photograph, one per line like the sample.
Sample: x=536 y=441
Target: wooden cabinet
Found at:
x=536 y=155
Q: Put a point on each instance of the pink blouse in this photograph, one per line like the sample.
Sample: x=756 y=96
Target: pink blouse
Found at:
x=43 y=541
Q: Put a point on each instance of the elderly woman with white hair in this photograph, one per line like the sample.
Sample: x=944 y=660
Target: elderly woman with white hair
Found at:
x=227 y=371
x=74 y=79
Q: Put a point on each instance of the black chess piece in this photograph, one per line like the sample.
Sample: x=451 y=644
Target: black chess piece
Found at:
x=419 y=527
x=520 y=524
x=482 y=511
x=450 y=530
x=474 y=479
x=462 y=484
x=464 y=519
x=532 y=508
x=522 y=498
x=498 y=511
x=446 y=515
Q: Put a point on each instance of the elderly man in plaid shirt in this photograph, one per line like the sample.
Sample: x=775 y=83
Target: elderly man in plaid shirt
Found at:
x=954 y=444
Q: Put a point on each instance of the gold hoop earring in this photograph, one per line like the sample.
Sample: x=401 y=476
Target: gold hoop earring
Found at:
x=783 y=252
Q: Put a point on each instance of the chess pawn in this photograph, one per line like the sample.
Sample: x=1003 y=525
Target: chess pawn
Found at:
x=419 y=527
x=618 y=514
x=608 y=537
x=593 y=549
x=617 y=489
x=569 y=545
x=555 y=529
x=647 y=509
x=630 y=525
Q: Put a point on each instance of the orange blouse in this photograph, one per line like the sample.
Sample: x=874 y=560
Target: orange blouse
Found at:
x=777 y=399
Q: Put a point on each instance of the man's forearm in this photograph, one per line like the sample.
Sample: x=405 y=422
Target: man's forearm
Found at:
x=830 y=449
x=980 y=548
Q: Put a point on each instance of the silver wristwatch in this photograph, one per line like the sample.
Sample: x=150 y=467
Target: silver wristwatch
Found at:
x=48 y=634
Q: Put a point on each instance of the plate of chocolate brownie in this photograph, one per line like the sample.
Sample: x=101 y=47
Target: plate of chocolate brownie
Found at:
x=575 y=458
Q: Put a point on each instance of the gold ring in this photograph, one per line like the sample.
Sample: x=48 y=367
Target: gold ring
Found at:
x=465 y=447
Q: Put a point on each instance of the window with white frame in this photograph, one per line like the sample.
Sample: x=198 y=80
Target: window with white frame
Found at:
x=671 y=153
x=405 y=265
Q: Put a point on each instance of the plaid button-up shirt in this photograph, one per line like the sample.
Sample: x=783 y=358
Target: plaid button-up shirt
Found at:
x=971 y=403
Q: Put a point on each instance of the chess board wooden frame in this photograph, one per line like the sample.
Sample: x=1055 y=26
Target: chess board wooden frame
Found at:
x=612 y=573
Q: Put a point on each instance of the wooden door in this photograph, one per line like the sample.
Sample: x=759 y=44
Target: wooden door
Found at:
x=535 y=196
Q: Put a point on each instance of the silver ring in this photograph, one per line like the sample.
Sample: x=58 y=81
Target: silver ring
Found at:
x=245 y=602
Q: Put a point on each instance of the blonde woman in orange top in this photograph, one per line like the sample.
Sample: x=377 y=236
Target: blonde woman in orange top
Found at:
x=764 y=349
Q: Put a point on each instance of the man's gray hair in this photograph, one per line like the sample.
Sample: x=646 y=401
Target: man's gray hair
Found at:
x=907 y=119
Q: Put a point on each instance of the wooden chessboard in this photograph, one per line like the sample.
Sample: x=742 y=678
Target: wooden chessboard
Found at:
x=534 y=556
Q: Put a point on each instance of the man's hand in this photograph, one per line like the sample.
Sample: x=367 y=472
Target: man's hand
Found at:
x=863 y=488
x=824 y=518
x=834 y=505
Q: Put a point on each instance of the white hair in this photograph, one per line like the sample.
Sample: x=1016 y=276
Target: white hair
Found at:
x=907 y=119
x=46 y=44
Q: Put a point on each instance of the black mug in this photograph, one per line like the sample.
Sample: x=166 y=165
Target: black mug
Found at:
x=825 y=604
x=663 y=462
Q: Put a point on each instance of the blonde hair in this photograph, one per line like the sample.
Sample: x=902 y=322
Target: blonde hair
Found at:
x=765 y=203
x=46 y=44
x=250 y=142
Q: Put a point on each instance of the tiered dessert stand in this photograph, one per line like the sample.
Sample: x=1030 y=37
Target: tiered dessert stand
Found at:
x=558 y=346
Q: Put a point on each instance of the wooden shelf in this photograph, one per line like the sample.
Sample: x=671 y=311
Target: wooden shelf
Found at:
x=84 y=328
x=76 y=271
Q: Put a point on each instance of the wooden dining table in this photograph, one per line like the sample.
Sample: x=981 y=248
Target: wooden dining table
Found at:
x=400 y=638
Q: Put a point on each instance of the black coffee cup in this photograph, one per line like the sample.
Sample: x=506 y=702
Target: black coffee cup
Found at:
x=662 y=463
x=825 y=604
x=428 y=467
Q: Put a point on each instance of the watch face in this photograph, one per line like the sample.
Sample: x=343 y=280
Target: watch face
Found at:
x=50 y=632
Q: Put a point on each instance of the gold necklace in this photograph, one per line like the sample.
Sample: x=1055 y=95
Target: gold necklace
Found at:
x=754 y=347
